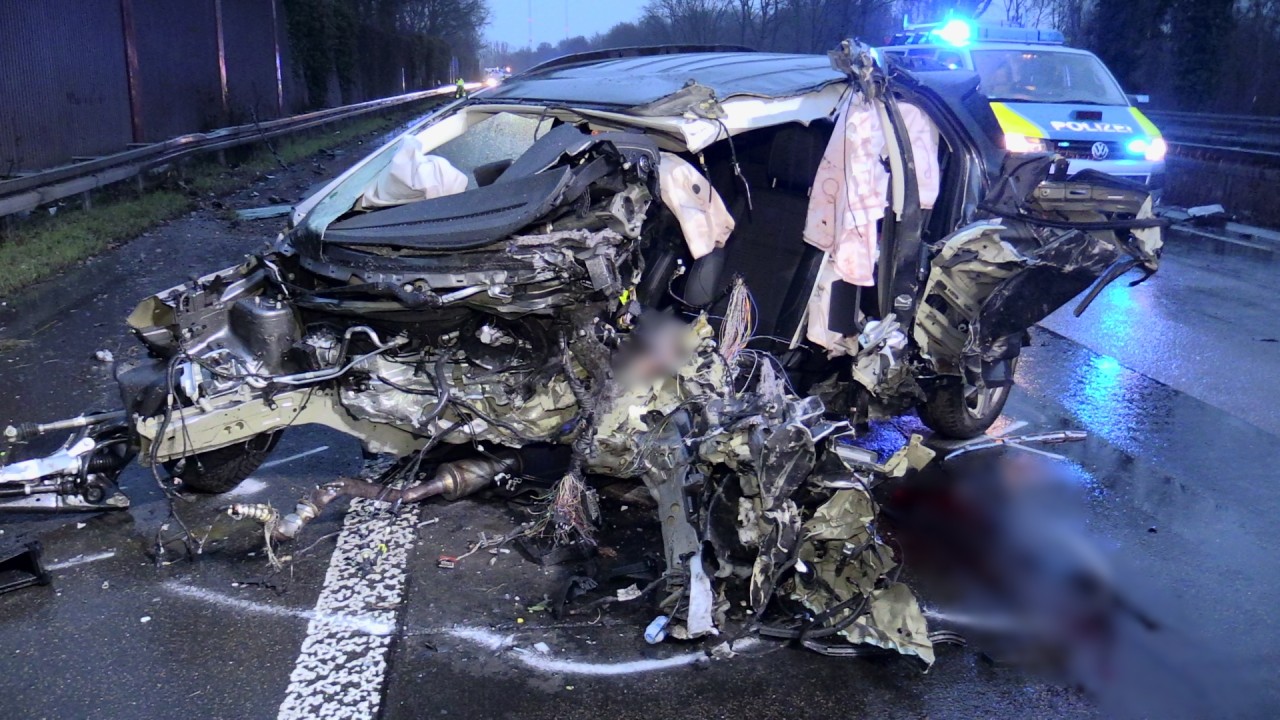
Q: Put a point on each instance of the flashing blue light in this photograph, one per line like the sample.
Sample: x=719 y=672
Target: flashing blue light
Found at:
x=1138 y=146
x=955 y=32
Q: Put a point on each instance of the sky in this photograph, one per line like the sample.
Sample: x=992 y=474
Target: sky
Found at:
x=509 y=19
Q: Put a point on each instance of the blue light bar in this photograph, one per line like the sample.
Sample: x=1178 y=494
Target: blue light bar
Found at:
x=955 y=32
x=959 y=32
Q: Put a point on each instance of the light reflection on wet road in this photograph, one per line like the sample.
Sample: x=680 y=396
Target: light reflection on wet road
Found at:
x=1206 y=325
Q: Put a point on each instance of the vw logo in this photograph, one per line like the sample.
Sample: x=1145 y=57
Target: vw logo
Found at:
x=1100 y=151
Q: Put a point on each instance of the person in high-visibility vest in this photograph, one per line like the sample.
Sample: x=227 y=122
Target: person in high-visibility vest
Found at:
x=462 y=89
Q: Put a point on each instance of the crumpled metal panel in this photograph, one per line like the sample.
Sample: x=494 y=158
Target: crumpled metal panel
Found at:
x=378 y=401
x=894 y=623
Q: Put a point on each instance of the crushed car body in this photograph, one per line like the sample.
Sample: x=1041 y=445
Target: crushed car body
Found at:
x=702 y=272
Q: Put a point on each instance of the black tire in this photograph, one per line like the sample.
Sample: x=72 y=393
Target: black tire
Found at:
x=221 y=470
x=960 y=411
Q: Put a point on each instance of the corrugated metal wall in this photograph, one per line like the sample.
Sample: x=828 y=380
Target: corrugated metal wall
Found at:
x=178 y=84
x=63 y=86
x=88 y=77
x=250 y=42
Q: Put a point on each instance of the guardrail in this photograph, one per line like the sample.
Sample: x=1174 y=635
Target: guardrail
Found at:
x=1233 y=160
x=1251 y=139
x=29 y=191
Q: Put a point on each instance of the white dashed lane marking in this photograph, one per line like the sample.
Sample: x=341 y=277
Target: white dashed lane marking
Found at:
x=341 y=671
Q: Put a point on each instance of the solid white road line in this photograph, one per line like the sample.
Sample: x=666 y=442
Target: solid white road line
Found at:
x=483 y=637
x=497 y=642
x=1011 y=428
x=340 y=672
x=291 y=458
x=355 y=624
x=80 y=560
x=247 y=487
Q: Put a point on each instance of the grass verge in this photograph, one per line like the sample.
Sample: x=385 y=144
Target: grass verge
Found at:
x=39 y=246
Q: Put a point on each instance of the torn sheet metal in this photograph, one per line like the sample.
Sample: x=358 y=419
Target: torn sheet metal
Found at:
x=846 y=565
x=973 y=261
x=262 y=213
x=986 y=443
x=846 y=515
x=878 y=364
x=894 y=622
x=912 y=457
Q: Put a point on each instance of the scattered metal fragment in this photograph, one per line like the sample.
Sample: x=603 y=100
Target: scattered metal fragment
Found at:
x=1208 y=215
x=23 y=568
x=1019 y=441
x=261 y=213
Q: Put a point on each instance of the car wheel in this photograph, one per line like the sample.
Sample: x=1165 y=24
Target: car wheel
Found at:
x=961 y=411
x=221 y=470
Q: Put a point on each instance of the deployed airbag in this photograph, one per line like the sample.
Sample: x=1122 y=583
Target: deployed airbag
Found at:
x=704 y=220
x=412 y=175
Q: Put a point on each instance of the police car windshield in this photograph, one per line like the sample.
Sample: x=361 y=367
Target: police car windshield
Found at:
x=1046 y=76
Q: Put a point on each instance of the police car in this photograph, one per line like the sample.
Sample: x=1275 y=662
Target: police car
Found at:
x=1047 y=97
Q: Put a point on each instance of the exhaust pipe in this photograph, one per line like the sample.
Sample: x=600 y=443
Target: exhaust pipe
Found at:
x=453 y=480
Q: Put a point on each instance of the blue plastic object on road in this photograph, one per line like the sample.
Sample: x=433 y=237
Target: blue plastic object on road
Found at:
x=657 y=630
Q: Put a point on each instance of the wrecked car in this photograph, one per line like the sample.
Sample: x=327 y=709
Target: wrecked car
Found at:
x=701 y=271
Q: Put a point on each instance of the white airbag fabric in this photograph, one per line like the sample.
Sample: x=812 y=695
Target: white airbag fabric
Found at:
x=704 y=220
x=851 y=188
x=413 y=175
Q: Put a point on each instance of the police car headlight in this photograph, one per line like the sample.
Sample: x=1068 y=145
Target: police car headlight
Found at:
x=1022 y=144
x=1156 y=150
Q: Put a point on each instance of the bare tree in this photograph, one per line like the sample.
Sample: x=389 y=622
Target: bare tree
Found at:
x=452 y=20
x=693 y=21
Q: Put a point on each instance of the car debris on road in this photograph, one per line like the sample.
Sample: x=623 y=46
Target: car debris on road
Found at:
x=23 y=568
x=695 y=288
x=1018 y=441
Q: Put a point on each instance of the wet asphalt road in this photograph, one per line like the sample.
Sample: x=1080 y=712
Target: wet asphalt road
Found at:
x=1171 y=379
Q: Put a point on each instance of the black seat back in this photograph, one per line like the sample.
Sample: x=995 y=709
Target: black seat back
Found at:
x=767 y=248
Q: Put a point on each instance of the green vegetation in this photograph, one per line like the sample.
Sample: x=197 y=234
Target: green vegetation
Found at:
x=50 y=243
x=41 y=245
